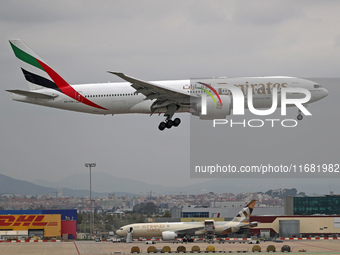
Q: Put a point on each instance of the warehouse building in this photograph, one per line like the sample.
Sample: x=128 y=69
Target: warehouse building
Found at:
x=296 y=226
x=40 y=223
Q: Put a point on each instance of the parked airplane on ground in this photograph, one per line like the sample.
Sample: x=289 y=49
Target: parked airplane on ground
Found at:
x=171 y=230
x=47 y=88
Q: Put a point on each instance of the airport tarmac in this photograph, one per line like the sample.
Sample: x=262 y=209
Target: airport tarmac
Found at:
x=91 y=247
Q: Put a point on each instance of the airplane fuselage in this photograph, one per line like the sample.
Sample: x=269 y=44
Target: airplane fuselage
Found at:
x=121 y=98
x=149 y=230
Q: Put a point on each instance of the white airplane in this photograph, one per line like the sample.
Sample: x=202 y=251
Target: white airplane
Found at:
x=47 y=88
x=171 y=230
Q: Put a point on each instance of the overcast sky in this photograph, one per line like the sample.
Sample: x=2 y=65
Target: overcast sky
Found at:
x=151 y=40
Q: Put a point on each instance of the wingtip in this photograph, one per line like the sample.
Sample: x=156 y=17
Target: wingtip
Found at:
x=114 y=72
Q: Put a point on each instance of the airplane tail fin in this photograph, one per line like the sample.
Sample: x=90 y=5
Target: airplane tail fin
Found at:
x=37 y=73
x=245 y=213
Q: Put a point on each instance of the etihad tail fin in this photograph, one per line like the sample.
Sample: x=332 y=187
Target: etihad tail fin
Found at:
x=244 y=215
x=37 y=73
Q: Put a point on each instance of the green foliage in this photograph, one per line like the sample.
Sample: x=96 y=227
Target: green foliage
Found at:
x=146 y=208
x=282 y=193
x=167 y=214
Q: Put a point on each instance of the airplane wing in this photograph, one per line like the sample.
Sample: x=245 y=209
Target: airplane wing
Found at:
x=190 y=231
x=165 y=97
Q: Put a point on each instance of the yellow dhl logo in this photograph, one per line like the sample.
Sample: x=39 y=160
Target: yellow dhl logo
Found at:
x=25 y=220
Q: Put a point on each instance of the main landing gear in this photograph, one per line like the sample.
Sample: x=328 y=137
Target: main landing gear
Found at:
x=169 y=124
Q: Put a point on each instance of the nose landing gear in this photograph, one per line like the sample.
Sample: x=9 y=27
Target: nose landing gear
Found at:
x=299 y=117
x=169 y=124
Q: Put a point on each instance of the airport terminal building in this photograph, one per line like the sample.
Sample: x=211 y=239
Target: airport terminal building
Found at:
x=324 y=205
x=40 y=223
x=224 y=210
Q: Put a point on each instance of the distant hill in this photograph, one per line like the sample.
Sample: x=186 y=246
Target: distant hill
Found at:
x=10 y=185
x=102 y=182
x=107 y=183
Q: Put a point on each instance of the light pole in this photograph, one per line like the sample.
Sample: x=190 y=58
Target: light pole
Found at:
x=90 y=165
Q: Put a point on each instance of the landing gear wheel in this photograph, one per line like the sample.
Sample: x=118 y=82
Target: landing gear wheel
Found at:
x=162 y=126
x=169 y=124
x=176 y=122
x=299 y=117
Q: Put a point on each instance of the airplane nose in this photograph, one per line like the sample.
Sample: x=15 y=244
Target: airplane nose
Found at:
x=325 y=91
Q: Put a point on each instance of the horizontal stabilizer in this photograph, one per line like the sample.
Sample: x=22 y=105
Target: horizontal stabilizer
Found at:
x=32 y=94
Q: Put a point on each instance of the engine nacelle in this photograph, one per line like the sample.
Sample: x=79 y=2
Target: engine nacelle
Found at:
x=168 y=235
x=213 y=111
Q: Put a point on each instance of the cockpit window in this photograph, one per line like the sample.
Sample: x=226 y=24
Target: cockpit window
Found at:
x=317 y=86
x=121 y=229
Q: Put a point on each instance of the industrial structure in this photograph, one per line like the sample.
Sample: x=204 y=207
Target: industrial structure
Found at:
x=16 y=224
x=296 y=226
x=226 y=211
x=324 y=205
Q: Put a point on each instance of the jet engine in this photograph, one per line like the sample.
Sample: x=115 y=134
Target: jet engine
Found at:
x=213 y=111
x=168 y=235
